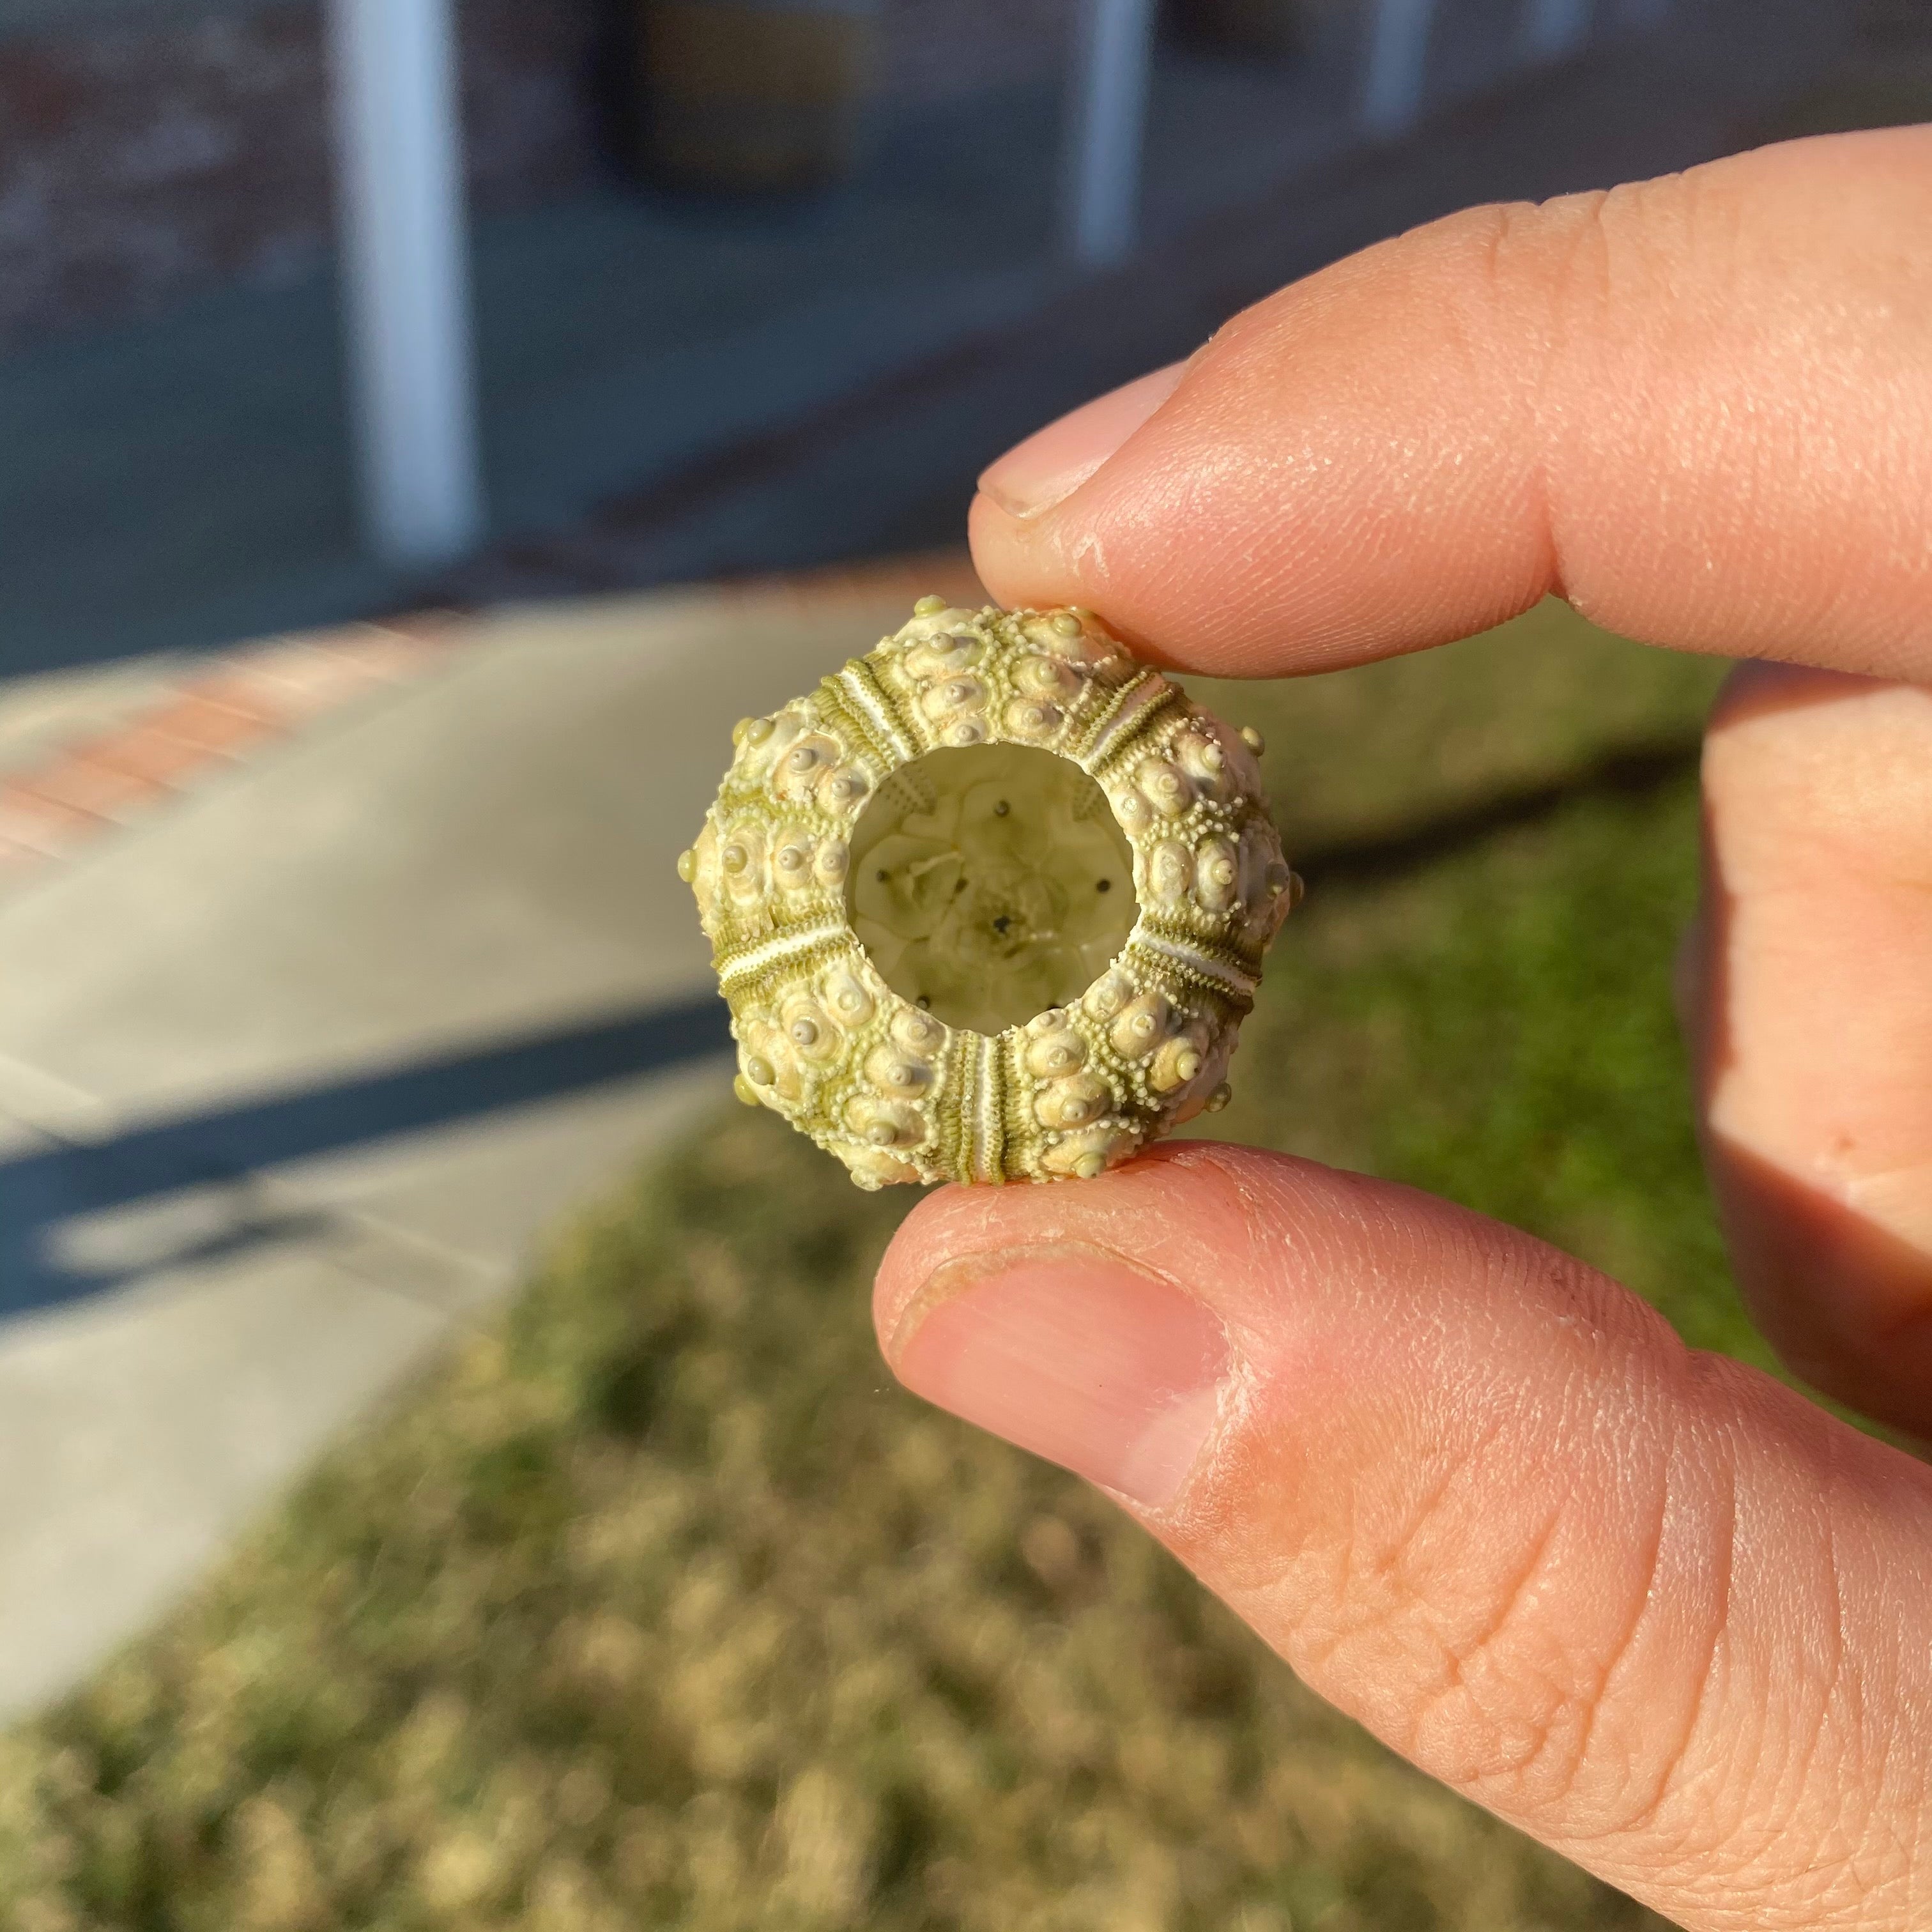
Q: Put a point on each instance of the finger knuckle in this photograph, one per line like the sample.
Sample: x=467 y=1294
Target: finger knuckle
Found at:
x=1485 y=1688
x=1500 y=1632
x=1578 y=262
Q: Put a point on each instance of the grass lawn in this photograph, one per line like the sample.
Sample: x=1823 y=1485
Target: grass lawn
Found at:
x=661 y=1607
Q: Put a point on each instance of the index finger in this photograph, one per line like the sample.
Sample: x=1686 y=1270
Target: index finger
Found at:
x=1699 y=408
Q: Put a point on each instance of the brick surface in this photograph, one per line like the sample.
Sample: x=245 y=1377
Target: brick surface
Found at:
x=41 y=824
x=90 y=785
x=146 y=753
x=156 y=157
x=240 y=690
x=379 y=653
x=264 y=692
x=206 y=722
x=289 y=678
x=143 y=159
x=259 y=693
x=296 y=679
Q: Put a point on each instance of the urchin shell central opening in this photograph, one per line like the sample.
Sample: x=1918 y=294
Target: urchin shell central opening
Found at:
x=989 y=883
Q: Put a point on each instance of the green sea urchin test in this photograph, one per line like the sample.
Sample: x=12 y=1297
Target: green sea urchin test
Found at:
x=991 y=903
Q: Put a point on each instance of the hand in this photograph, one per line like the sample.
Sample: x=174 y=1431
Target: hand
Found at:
x=1646 y=1604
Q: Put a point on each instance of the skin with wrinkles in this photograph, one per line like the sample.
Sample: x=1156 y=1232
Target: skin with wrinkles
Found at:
x=1654 y=1608
x=1479 y=1440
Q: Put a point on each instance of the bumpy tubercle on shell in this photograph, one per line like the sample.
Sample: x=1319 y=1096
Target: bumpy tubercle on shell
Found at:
x=991 y=903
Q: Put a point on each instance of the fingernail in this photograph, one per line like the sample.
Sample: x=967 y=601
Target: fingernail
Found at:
x=1111 y=1373
x=1051 y=464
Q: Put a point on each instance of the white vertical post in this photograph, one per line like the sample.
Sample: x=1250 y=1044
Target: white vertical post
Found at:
x=1554 y=29
x=1398 y=60
x=399 y=165
x=1113 y=60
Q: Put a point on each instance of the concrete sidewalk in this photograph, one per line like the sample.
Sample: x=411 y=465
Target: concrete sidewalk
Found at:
x=296 y=1067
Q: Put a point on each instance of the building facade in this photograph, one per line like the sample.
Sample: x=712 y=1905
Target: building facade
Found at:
x=153 y=149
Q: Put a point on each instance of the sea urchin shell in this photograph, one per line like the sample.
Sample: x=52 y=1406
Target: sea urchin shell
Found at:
x=990 y=904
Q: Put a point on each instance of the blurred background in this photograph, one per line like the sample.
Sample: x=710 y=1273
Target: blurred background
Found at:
x=690 y=250
x=451 y=1484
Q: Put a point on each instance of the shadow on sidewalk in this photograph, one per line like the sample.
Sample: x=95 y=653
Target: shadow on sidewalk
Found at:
x=228 y=1151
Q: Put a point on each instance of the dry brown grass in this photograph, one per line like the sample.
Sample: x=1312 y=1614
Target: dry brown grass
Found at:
x=663 y=1609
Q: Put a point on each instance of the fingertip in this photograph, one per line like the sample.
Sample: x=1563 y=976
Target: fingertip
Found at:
x=948 y=1224
x=1069 y=1351
x=1035 y=476
x=1169 y=1194
x=1002 y=557
x=1039 y=562
x=1191 y=1212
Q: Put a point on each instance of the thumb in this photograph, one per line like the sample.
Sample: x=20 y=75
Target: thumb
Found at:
x=1647 y=1604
